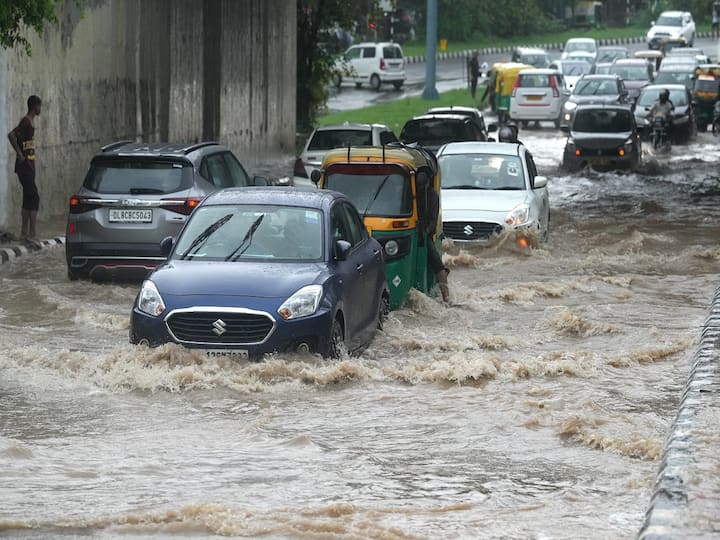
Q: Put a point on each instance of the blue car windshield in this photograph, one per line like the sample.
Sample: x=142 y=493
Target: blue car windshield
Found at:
x=252 y=232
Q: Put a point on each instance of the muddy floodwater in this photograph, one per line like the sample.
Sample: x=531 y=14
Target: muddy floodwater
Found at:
x=536 y=406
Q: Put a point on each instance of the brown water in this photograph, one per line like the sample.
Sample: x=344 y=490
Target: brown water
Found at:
x=536 y=407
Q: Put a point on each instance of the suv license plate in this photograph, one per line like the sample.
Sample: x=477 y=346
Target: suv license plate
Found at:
x=232 y=354
x=130 y=216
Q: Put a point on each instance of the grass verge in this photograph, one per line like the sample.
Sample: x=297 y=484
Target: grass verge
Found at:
x=395 y=113
x=417 y=48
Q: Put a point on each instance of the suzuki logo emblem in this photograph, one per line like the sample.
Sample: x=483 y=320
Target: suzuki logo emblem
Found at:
x=468 y=230
x=219 y=327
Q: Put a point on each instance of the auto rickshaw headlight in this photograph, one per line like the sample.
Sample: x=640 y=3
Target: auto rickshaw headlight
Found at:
x=391 y=248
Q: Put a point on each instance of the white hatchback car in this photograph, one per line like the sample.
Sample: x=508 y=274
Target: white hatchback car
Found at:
x=671 y=25
x=579 y=45
x=372 y=63
x=491 y=192
x=326 y=138
x=539 y=94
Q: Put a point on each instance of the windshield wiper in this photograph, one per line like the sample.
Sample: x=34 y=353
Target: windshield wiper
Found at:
x=247 y=239
x=203 y=237
x=145 y=191
x=464 y=186
x=375 y=196
x=507 y=188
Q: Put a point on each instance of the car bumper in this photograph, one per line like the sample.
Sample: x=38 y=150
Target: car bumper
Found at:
x=100 y=261
x=392 y=76
x=544 y=112
x=308 y=333
x=531 y=229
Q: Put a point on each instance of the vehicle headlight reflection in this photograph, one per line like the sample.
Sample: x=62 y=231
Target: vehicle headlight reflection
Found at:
x=302 y=303
x=149 y=299
x=518 y=215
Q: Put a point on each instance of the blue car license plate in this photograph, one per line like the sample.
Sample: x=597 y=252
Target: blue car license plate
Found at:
x=230 y=354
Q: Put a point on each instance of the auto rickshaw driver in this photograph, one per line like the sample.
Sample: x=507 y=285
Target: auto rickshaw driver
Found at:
x=428 y=205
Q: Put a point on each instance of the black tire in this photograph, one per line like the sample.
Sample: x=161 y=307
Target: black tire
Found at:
x=545 y=237
x=358 y=85
x=524 y=123
x=558 y=122
x=72 y=276
x=337 y=80
x=398 y=85
x=336 y=347
x=383 y=311
x=375 y=82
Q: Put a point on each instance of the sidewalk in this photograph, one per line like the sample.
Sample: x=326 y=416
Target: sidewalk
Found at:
x=13 y=249
x=547 y=46
x=686 y=496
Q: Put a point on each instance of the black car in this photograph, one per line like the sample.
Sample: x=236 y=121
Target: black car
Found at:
x=609 y=54
x=683 y=120
x=471 y=112
x=595 y=89
x=435 y=130
x=603 y=136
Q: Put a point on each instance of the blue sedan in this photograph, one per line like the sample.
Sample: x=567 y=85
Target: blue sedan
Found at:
x=259 y=270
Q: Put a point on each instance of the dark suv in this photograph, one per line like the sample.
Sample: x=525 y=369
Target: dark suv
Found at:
x=136 y=194
x=435 y=130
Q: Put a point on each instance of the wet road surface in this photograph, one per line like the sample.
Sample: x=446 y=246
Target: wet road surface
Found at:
x=536 y=407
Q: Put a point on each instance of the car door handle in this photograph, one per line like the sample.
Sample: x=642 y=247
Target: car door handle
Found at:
x=360 y=267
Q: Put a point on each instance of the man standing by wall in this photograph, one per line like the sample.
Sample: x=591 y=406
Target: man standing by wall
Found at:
x=22 y=139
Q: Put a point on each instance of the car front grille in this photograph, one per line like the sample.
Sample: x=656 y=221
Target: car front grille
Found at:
x=471 y=230
x=220 y=327
x=599 y=152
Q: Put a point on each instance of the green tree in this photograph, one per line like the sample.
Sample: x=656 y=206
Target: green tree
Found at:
x=17 y=16
x=318 y=46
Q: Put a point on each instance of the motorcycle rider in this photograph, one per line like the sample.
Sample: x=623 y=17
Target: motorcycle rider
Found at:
x=509 y=133
x=663 y=108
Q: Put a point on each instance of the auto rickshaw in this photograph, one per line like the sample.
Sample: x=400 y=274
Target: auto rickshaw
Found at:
x=667 y=44
x=706 y=93
x=654 y=57
x=501 y=81
x=386 y=185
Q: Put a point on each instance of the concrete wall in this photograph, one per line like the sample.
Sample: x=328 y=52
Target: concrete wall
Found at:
x=181 y=70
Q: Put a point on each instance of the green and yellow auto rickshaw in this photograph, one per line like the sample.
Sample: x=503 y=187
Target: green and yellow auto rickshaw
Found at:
x=501 y=81
x=706 y=93
x=390 y=187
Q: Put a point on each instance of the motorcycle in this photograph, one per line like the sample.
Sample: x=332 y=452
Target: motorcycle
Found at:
x=659 y=133
x=716 y=120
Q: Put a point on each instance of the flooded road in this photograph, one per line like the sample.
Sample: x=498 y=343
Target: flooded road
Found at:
x=536 y=407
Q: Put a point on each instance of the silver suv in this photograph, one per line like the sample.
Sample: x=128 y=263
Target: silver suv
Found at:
x=136 y=194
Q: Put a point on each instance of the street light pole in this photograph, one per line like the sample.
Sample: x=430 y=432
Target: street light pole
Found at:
x=431 y=37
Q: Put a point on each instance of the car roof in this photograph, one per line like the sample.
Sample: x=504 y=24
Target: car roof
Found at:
x=451 y=108
x=375 y=44
x=474 y=147
x=613 y=106
x=531 y=50
x=439 y=117
x=284 y=196
x=354 y=125
x=630 y=62
x=538 y=71
x=665 y=87
x=674 y=13
x=581 y=40
x=600 y=76
x=161 y=149
x=677 y=68
x=612 y=48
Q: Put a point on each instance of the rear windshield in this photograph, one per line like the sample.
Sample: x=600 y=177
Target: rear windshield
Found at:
x=435 y=132
x=575 y=68
x=392 y=52
x=580 y=46
x=602 y=121
x=138 y=177
x=373 y=190
x=649 y=97
x=596 y=87
x=337 y=138
x=610 y=55
x=537 y=60
x=630 y=73
x=602 y=69
x=674 y=77
x=534 y=81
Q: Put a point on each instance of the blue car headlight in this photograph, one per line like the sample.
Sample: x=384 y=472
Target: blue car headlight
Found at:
x=302 y=303
x=149 y=300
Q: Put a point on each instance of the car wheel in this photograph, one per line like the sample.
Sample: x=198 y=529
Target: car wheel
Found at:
x=524 y=123
x=358 y=85
x=336 y=347
x=72 y=276
x=337 y=80
x=546 y=233
x=716 y=127
x=558 y=121
x=383 y=311
x=375 y=82
x=398 y=85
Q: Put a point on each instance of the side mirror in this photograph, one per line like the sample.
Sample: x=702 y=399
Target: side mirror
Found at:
x=166 y=246
x=565 y=129
x=260 y=181
x=315 y=176
x=342 y=249
x=540 y=182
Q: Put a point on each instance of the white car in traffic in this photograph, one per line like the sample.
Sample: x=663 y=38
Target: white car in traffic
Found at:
x=580 y=45
x=539 y=94
x=371 y=63
x=492 y=192
x=671 y=25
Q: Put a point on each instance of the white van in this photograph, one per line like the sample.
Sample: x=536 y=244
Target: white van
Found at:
x=371 y=63
x=538 y=94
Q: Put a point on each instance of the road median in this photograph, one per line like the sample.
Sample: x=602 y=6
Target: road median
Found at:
x=12 y=251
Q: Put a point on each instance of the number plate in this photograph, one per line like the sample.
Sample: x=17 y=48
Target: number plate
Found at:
x=124 y=215
x=534 y=98
x=231 y=354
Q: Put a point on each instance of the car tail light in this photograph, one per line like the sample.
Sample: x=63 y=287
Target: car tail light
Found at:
x=79 y=205
x=181 y=206
x=516 y=85
x=553 y=85
x=71 y=228
x=382 y=63
x=299 y=169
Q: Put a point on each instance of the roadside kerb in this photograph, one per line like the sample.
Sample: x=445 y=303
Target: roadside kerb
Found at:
x=667 y=515
x=453 y=55
x=10 y=253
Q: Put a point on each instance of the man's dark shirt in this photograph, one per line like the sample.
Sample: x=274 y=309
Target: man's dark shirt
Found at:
x=474 y=67
x=25 y=135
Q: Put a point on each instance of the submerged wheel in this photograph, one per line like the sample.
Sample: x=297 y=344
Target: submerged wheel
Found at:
x=358 y=85
x=72 y=276
x=375 y=82
x=398 y=85
x=383 y=311
x=336 y=347
x=545 y=237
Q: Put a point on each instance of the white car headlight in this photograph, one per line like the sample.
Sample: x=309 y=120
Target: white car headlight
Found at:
x=518 y=215
x=303 y=303
x=570 y=106
x=149 y=300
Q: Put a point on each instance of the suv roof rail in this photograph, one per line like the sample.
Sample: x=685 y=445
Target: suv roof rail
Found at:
x=114 y=145
x=198 y=146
